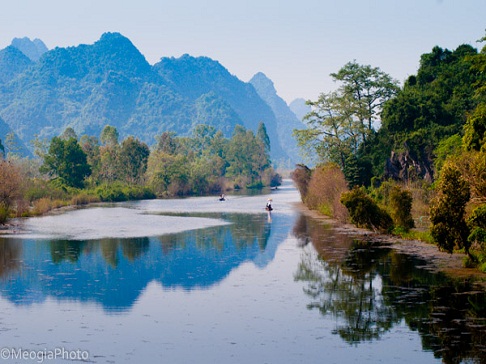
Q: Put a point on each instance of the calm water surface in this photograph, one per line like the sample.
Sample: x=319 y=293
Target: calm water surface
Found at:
x=202 y=281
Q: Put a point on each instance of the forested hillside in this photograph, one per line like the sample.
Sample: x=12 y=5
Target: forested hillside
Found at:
x=413 y=156
x=110 y=83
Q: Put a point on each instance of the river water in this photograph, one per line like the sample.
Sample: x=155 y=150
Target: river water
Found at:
x=197 y=280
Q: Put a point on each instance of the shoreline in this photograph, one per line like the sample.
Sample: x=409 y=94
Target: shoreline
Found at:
x=437 y=261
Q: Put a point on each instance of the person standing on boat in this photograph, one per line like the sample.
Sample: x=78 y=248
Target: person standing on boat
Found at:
x=269 y=207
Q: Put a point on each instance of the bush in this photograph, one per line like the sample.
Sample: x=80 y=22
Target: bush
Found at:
x=84 y=198
x=4 y=212
x=324 y=190
x=401 y=208
x=364 y=212
x=477 y=224
x=447 y=214
x=301 y=177
x=111 y=193
x=118 y=192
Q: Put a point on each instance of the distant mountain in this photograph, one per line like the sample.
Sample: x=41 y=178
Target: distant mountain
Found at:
x=12 y=63
x=197 y=77
x=299 y=108
x=110 y=82
x=18 y=145
x=33 y=49
x=286 y=119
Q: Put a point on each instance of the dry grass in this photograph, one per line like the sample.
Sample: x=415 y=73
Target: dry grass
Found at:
x=45 y=205
x=324 y=191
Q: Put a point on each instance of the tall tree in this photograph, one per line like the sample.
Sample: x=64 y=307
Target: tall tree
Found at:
x=67 y=160
x=133 y=159
x=368 y=88
x=263 y=136
x=69 y=133
x=109 y=136
x=332 y=133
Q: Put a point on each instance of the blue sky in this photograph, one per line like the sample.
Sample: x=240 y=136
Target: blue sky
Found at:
x=295 y=43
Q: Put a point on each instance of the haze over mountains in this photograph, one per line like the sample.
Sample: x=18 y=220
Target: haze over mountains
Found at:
x=42 y=92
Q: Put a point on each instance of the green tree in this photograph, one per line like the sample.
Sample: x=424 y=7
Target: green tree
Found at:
x=168 y=174
x=341 y=123
x=246 y=158
x=368 y=88
x=133 y=160
x=66 y=159
x=91 y=146
x=400 y=206
x=331 y=133
x=262 y=135
x=447 y=214
x=364 y=212
x=68 y=133
x=109 y=136
x=167 y=142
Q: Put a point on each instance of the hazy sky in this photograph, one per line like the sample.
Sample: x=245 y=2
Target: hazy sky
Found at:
x=295 y=43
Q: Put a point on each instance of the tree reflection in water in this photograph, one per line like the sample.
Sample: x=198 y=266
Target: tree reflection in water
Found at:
x=370 y=288
x=10 y=252
x=244 y=231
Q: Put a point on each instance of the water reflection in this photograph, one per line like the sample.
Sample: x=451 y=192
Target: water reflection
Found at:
x=9 y=258
x=369 y=289
x=114 y=272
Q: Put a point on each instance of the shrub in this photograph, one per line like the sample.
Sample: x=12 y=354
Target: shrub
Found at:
x=447 y=214
x=4 y=212
x=364 y=212
x=118 y=192
x=111 y=193
x=324 y=190
x=84 y=198
x=301 y=177
x=401 y=208
x=477 y=224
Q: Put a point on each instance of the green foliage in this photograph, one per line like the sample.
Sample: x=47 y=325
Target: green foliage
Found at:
x=401 y=208
x=109 y=136
x=67 y=160
x=4 y=212
x=364 y=212
x=133 y=160
x=447 y=148
x=341 y=123
x=477 y=224
x=475 y=129
x=120 y=192
x=431 y=107
x=447 y=214
x=398 y=202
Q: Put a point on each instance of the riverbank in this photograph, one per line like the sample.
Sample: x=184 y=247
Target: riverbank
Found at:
x=438 y=261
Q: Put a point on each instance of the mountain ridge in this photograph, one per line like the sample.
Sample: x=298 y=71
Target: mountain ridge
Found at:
x=111 y=83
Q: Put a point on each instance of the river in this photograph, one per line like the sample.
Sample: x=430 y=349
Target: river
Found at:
x=197 y=280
